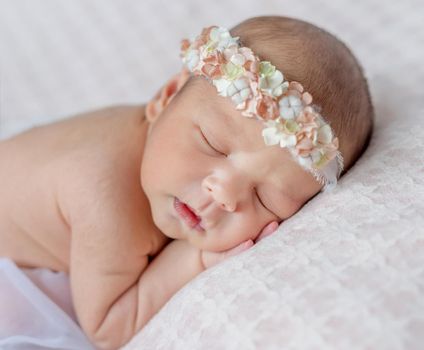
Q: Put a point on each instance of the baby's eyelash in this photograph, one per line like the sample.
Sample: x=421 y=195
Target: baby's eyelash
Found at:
x=259 y=198
x=257 y=195
x=209 y=144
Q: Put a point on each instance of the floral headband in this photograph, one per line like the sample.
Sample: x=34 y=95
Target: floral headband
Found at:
x=258 y=89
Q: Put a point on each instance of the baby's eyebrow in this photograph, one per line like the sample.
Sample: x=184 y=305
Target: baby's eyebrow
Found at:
x=227 y=120
x=228 y=133
x=220 y=125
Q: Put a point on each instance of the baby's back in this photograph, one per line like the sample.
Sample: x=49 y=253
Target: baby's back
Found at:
x=48 y=167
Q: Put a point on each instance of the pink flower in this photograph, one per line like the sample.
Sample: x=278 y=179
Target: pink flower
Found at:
x=267 y=108
x=212 y=65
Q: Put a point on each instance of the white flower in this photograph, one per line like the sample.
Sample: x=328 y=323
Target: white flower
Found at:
x=290 y=107
x=220 y=38
x=274 y=134
x=191 y=59
x=238 y=90
x=221 y=85
x=238 y=59
x=271 y=79
x=324 y=135
x=232 y=71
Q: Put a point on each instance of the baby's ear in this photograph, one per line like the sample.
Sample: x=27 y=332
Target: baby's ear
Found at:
x=165 y=95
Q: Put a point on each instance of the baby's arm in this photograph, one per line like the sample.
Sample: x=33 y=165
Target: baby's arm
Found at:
x=111 y=312
x=115 y=291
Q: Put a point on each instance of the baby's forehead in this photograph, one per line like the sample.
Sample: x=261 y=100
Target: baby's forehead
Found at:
x=220 y=114
x=198 y=89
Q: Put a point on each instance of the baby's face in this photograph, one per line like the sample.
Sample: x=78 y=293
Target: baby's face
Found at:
x=202 y=151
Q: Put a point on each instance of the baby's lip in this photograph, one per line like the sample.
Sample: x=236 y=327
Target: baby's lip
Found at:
x=205 y=223
x=187 y=214
x=194 y=211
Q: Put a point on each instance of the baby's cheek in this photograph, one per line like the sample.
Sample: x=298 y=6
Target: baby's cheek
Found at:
x=246 y=232
x=235 y=233
x=224 y=239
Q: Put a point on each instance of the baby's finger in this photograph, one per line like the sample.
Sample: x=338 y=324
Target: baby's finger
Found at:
x=270 y=228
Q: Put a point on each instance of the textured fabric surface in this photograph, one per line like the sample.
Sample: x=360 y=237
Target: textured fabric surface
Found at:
x=347 y=271
x=36 y=311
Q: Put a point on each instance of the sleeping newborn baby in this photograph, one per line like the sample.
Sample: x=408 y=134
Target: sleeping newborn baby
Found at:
x=135 y=201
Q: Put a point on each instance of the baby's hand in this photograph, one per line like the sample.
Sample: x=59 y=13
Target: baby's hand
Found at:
x=268 y=229
x=210 y=259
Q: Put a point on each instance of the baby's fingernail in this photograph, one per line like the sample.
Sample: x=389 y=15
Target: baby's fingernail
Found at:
x=270 y=228
x=249 y=243
x=274 y=225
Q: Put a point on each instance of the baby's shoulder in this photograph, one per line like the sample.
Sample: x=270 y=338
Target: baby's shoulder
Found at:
x=101 y=154
x=101 y=185
x=109 y=130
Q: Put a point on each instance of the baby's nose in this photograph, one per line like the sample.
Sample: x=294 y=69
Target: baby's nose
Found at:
x=221 y=193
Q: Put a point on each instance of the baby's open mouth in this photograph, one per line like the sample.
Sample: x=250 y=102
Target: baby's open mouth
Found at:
x=187 y=215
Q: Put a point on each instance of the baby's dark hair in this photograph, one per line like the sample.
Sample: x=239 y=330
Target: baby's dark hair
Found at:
x=325 y=67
